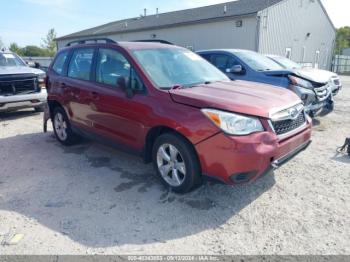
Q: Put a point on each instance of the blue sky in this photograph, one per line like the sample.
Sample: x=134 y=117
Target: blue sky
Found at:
x=27 y=21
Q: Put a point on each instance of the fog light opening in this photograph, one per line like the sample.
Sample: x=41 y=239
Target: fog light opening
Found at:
x=241 y=178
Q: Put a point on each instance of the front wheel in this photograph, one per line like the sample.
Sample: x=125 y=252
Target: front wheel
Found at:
x=176 y=162
x=62 y=128
x=39 y=109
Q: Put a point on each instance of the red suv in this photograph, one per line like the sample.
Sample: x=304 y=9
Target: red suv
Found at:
x=175 y=109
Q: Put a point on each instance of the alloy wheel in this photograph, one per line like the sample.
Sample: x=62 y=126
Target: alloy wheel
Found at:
x=60 y=126
x=171 y=165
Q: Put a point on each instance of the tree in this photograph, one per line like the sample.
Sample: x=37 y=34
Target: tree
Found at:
x=32 y=50
x=342 y=39
x=49 y=42
x=16 y=49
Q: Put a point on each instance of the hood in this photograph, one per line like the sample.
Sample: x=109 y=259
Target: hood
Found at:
x=315 y=75
x=14 y=70
x=238 y=96
x=278 y=73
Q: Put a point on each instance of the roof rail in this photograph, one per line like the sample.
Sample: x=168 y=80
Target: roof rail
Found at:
x=155 y=41
x=95 y=40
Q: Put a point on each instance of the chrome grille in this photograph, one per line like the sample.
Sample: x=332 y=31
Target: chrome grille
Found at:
x=285 y=126
x=14 y=87
x=322 y=92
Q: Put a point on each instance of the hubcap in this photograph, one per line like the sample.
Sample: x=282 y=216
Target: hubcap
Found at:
x=171 y=165
x=60 y=127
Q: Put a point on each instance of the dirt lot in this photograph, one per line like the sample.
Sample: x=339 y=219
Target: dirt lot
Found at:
x=91 y=199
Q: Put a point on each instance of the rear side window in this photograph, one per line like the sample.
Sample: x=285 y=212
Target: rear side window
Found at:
x=81 y=63
x=58 y=65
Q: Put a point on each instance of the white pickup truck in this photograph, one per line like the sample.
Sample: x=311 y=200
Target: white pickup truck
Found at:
x=20 y=86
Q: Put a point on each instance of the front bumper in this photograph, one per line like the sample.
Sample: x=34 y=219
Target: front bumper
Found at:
x=336 y=85
x=336 y=89
x=314 y=104
x=16 y=102
x=235 y=160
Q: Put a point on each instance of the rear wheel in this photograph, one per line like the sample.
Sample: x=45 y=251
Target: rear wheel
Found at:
x=62 y=128
x=176 y=162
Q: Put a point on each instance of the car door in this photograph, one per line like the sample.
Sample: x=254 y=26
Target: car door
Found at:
x=117 y=116
x=78 y=86
x=57 y=76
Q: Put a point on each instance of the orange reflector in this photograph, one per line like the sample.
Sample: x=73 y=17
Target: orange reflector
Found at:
x=214 y=117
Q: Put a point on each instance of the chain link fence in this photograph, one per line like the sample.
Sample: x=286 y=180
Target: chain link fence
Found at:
x=341 y=64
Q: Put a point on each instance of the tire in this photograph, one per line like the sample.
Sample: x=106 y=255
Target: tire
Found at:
x=62 y=128
x=176 y=162
x=39 y=109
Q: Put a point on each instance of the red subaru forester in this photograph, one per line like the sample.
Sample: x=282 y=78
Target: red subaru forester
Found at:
x=175 y=109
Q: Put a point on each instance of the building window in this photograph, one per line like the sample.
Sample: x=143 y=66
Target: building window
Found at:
x=264 y=21
x=239 y=23
x=289 y=53
x=317 y=59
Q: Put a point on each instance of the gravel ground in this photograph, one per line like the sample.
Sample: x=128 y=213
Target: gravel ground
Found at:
x=91 y=199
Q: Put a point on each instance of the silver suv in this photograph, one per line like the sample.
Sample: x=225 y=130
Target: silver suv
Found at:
x=20 y=86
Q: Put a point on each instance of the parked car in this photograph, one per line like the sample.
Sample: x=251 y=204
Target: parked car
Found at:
x=251 y=66
x=312 y=74
x=174 y=109
x=20 y=86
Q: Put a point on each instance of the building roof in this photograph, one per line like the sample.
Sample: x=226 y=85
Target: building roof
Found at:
x=188 y=16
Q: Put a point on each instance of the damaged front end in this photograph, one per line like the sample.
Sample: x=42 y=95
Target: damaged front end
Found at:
x=317 y=97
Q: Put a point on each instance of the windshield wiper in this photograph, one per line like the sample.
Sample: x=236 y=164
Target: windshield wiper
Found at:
x=178 y=86
x=174 y=87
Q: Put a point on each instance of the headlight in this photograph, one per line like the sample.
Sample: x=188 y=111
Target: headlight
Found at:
x=300 y=82
x=234 y=124
x=41 y=80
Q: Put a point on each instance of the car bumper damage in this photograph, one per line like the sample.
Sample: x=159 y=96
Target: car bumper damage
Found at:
x=236 y=160
x=315 y=100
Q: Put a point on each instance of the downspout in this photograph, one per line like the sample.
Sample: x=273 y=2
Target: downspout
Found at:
x=257 y=37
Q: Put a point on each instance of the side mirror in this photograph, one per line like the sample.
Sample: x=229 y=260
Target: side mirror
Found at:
x=236 y=69
x=30 y=64
x=124 y=84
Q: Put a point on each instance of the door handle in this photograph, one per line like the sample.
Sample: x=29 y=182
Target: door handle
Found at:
x=95 y=95
x=63 y=85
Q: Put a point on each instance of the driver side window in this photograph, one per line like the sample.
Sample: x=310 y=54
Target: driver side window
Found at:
x=221 y=61
x=232 y=62
x=112 y=67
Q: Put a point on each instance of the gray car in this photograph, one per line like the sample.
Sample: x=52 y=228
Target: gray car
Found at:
x=20 y=86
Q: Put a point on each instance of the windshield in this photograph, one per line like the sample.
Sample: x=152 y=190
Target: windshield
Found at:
x=285 y=62
x=8 y=59
x=257 y=61
x=169 y=67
